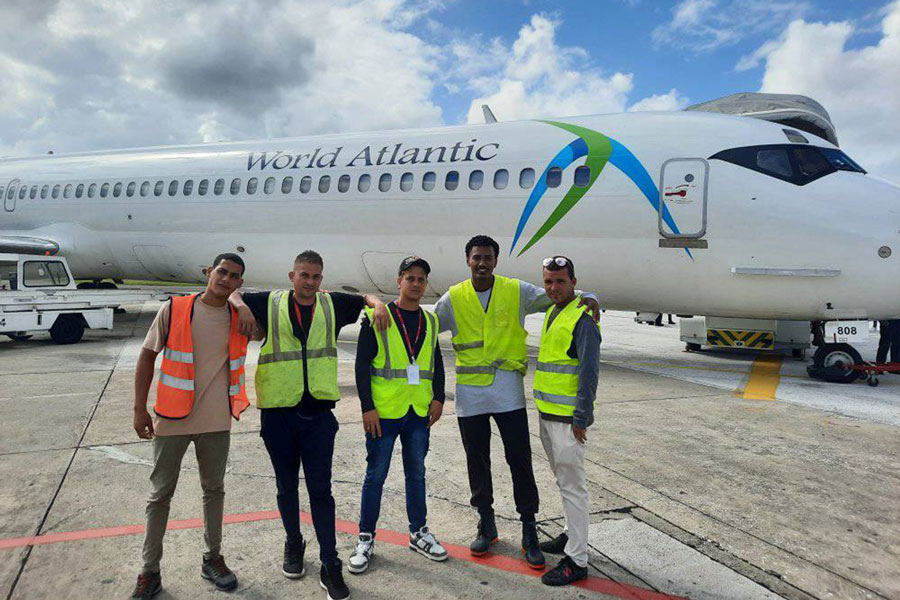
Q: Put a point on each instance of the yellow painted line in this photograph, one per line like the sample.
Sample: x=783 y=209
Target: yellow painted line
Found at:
x=693 y=367
x=764 y=378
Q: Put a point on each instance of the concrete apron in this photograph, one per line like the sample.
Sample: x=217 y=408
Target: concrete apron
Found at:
x=694 y=492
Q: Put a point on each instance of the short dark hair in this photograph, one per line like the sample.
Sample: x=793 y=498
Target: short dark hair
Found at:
x=230 y=257
x=482 y=240
x=570 y=267
x=310 y=256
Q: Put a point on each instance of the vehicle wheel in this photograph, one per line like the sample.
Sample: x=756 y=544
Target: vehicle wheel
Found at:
x=872 y=381
x=68 y=329
x=692 y=347
x=86 y=285
x=18 y=337
x=107 y=285
x=838 y=358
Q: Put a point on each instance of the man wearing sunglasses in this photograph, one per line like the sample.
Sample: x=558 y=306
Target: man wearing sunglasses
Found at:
x=486 y=315
x=565 y=387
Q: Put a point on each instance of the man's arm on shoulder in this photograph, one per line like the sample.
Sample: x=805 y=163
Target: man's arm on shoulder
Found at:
x=253 y=311
x=534 y=299
x=366 y=350
x=348 y=306
x=444 y=311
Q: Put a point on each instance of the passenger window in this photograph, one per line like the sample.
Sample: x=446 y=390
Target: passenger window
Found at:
x=219 y=187
x=252 y=184
x=2 y=189
x=203 y=187
x=145 y=188
x=54 y=194
x=428 y=181
x=501 y=179
x=23 y=191
x=104 y=190
x=476 y=179
x=344 y=183
x=79 y=190
x=188 y=188
x=45 y=191
x=452 y=180
x=158 y=188
x=269 y=186
x=34 y=191
x=774 y=161
x=384 y=182
x=67 y=191
x=11 y=193
x=406 y=182
x=173 y=187
x=117 y=190
x=129 y=189
x=582 y=176
x=92 y=190
x=526 y=179
x=286 y=184
x=235 y=186
x=305 y=184
x=554 y=177
x=364 y=183
x=324 y=183
x=39 y=273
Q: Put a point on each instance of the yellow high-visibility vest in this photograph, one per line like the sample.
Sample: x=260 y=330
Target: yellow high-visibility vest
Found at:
x=279 y=373
x=487 y=341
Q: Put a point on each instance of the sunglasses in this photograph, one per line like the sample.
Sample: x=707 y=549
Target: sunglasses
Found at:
x=561 y=261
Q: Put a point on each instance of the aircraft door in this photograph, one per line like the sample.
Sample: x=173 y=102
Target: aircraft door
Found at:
x=9 y=199
x=682 y=198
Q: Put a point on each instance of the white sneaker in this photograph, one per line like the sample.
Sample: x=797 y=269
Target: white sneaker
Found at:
x=424 y=542
x=365 y=549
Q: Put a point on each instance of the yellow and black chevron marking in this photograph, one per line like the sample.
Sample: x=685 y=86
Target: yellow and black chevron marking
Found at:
x=733 y=338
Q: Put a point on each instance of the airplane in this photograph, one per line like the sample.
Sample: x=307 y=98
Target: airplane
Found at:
x=680 y=212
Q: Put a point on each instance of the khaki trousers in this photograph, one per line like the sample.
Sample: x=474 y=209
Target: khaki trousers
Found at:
x=212 y=457
x=566 y=455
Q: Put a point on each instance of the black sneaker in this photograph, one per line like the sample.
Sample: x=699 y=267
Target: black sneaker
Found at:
x=215 y=570
x=148 y=585
x=293 y=567
x=564 y=573
x=557 y=545
x=332 y=581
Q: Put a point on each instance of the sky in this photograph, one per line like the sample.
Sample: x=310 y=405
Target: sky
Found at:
x=80 y=75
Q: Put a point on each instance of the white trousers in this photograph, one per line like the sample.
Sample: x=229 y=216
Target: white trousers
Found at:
x=566 y=456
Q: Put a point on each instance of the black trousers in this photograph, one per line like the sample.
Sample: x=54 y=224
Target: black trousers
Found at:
x=476 y=438
x=889 y=341
x=294 y=440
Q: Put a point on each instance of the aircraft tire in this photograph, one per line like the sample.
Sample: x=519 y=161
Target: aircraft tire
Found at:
x=68 y=329
x=835 y=359
x=692 y=347
x=107 y=285
x=87 y=285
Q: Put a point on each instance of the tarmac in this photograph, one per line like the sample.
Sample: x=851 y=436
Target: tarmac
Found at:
x=712 y=475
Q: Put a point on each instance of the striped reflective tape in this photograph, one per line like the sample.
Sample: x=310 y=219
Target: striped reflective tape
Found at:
x=399 y=374
x=178 y=356
x=234 y=390
x=555 y=398
x=556 y=368
x=468 y=345
x=176 y=382
x=236 y=363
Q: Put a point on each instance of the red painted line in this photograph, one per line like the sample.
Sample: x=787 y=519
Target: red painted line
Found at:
x=395 y=538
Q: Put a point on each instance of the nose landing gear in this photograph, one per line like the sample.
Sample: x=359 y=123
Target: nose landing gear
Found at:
x=834 y=363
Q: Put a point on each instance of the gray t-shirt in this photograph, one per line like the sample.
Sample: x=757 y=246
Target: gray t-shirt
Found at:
x=507 y=392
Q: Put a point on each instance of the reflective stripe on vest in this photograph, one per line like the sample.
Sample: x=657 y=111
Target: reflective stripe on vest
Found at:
x=391 y=392
x=491 y=340
x=175 y=389
x=556 y=376
x=279 y=372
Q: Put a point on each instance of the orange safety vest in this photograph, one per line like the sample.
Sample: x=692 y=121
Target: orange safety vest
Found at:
x=175 y=390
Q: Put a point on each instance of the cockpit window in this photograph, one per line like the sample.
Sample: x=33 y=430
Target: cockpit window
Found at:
x=792 y=163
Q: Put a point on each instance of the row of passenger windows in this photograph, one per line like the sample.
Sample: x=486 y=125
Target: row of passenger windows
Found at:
x=365 y=182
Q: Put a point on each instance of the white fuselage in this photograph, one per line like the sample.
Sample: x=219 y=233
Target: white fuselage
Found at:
x=774 y=249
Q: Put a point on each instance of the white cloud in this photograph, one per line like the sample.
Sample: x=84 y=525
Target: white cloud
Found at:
x=703 y=25
x=668 y=101
x=860 y=87
x=539 y=78
x=104 y=74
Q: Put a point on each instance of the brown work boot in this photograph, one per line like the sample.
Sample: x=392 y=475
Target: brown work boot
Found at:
x=148 y=585
x=215 y=570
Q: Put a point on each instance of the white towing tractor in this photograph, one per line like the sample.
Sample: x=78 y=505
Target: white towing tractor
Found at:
x=38 y=293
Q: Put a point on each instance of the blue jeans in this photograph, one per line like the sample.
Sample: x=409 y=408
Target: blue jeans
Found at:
x=413 y=433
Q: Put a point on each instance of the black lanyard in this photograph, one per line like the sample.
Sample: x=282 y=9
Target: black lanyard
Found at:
x=410 y=345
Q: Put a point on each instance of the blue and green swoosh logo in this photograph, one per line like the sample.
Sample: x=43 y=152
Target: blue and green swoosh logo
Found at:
x=599 y=150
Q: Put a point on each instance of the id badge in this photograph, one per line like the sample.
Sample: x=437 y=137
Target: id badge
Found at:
x=412 y=375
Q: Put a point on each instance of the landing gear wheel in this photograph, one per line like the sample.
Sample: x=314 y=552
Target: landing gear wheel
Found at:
x=68 y=329
x=837 y=360
x=107 y=285
x=872 y=381
x=87 y=285
x=692 y=347
x=18 y=337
